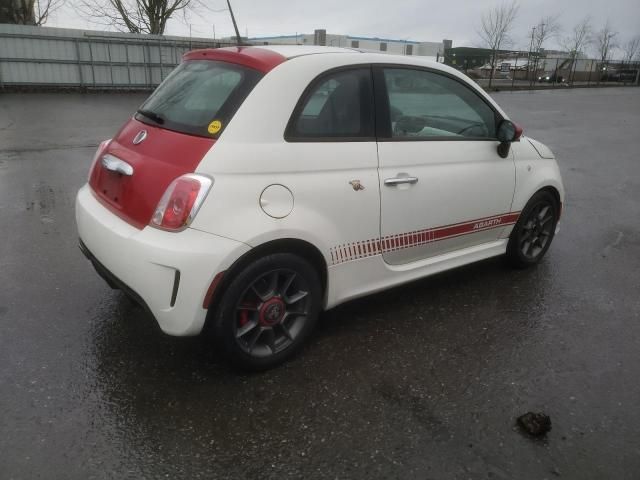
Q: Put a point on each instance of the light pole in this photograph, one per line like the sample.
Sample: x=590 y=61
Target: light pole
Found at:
x=533 y=32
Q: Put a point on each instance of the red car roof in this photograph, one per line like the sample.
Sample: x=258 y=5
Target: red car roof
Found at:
x=253 y=57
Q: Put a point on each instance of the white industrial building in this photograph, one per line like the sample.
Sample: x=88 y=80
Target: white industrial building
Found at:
x=434 y=50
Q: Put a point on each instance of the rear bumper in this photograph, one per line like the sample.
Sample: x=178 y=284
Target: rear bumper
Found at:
x=113 y=281
x=167 y=273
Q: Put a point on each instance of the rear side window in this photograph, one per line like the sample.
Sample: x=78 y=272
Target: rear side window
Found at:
x=199 y=97
x=337 y=106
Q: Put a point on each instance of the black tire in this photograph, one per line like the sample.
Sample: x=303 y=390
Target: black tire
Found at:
x=534 y=231
x=251 y=304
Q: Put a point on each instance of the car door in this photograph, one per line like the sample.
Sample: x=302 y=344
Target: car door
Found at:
x=331 y=133
x=443 y=185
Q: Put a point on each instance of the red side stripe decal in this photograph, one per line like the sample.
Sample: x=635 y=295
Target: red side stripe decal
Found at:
x=391 y=243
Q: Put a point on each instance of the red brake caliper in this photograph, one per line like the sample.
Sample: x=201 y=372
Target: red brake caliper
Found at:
x=244 y=317
x=244 y=313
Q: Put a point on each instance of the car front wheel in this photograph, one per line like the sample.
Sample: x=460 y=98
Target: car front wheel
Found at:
x=534 y=230
x=267 y=311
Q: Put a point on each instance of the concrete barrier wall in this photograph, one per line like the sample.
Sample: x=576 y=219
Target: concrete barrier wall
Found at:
x=57 y=57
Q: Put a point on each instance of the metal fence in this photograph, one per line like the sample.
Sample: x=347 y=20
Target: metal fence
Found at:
x=519 y=70
x=53 y=57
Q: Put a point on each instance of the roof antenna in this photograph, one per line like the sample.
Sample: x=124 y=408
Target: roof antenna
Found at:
x=235 y=25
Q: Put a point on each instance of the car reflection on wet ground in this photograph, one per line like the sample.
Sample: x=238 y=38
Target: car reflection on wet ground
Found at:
x=423 y=381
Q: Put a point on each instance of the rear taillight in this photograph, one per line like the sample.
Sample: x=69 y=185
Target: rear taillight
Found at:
x=98 y=155
x=180 y=202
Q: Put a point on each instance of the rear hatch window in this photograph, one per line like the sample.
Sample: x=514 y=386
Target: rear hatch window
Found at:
x=170 y=134
x=199 y=97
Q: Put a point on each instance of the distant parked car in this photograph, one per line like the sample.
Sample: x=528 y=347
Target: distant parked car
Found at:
x=628 y=75
x=550 y=77
x=258 y=186
x=623 y=75
x=610 y=76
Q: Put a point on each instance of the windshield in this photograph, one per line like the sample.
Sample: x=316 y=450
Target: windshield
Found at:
x=199 y=97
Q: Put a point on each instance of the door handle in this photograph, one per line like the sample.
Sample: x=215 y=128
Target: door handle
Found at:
x=114 y=164
x=400 y=180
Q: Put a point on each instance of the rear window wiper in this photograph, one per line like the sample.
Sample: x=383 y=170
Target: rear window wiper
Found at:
x=159 y=119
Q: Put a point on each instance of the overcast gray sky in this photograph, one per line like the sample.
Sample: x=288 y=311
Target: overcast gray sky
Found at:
x=421 y=20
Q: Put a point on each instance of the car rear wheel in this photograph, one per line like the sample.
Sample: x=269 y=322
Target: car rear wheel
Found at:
x=268 y=311
x=534 y=231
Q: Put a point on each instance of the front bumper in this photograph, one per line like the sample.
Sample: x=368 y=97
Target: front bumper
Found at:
x=168 y=273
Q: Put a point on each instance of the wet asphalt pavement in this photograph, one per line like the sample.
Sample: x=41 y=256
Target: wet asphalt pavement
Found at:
x=425 y=381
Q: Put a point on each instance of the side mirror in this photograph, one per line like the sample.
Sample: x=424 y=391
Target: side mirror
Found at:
x=507 y=132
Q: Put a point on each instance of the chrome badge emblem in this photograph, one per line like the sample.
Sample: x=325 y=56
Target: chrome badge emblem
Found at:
x=140 y=136
x=273 y=313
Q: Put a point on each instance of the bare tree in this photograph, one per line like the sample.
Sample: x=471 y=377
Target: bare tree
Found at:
x=632 y=49
x=17 y=12
x=604 y=41
x=27 y=12
x=135 y=16
x=577 y=41
x=44 y=8
x=547 y=28
x=495 y=29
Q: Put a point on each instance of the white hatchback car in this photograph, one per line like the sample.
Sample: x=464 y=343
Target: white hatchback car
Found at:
x=258 y=186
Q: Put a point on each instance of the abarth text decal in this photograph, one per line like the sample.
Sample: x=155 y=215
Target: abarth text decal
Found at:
x=391 y=243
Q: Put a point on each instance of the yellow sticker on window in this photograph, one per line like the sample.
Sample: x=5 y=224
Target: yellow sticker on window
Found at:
x=214 y=127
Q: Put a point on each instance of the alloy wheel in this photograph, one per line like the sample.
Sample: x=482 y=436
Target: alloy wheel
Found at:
x=272 y=312
x=536 y=232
